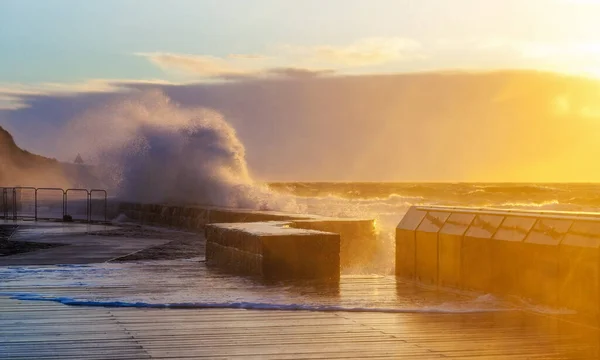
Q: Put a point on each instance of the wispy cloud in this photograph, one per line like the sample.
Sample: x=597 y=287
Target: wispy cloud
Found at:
x=538 y=49
x=14 y=96
x=247 y=56
x=582 y=2
x=364 y=52
x=201 y=65
x=295 y=72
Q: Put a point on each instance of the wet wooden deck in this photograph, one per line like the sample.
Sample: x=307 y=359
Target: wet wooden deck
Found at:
x=50 y=330
x=46 y=330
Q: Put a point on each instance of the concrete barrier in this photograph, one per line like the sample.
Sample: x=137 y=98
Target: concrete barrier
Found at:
x=406 y=242
x=426 y=246
x=539 y=261
x=274 y=251
x=579 y=267
x=551 y=258
x=510 y=256
x=358 y=240
x=476 y=258
x=450 y=248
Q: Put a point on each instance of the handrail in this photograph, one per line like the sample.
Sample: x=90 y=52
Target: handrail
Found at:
x=87 y=206
x=105 y=202
x=51 y=189
x=16 y=203
x=9 y=206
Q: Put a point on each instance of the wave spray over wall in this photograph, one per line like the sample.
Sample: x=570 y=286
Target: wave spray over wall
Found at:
x=150 y=149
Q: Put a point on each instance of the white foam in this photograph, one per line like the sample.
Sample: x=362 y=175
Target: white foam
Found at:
x=444 y=308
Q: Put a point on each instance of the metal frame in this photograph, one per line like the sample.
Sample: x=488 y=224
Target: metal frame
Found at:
x=50 y=189
x=87 y=204
x=9 y=208
x=16 y=203
x=105 y=203
x=5 y=203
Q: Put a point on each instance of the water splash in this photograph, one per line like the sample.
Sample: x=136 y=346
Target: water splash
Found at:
x=150 y=149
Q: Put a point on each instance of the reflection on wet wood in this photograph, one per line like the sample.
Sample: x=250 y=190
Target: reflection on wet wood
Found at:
x=43 y=330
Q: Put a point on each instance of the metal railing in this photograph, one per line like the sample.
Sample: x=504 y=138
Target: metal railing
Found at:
x=54 y=204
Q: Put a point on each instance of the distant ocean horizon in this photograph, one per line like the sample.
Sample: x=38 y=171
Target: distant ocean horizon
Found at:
x=387 y=202
x=551 y=196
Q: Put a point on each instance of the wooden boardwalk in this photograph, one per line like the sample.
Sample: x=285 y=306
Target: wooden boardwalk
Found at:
x=50 y=330
x=46 y=330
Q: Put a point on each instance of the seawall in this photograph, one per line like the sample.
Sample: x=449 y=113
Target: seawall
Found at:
x=229 y=231
x=551 y=258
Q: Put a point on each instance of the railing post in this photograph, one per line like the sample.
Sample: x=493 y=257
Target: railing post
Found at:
x=9 y=208
x=4 y=204
x=14 y=204
x=89 y=207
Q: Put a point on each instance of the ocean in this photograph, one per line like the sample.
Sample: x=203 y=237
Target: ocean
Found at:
x=549 y=196
x=388 y=202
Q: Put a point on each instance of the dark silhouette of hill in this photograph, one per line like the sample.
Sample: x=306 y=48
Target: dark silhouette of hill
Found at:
x=19 y=167
x=9 y=151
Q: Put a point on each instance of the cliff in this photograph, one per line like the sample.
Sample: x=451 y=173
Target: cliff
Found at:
x=19 y=167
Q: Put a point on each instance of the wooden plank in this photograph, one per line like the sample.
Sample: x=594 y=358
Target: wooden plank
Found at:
x=48 y=330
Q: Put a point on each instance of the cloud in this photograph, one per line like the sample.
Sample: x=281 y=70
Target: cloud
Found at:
x=375 y=127
x=247 y=56
x=582 y=2
x=232 y=67
x=364 y=52
x=538 y=49
x=16 y=96
x=545 y=50
x=299 y=73
x=203 y=65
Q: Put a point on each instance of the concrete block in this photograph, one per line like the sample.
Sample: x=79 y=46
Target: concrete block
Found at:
x=552 y=258
x=274 y=251
x=539 y=277
x=509 y=256
x=579 y=268
x=476 y=260
x=450 y=248
x=426 y=245
x=405 y=242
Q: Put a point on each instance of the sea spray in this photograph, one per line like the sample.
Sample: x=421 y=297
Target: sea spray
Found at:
x=150 y=149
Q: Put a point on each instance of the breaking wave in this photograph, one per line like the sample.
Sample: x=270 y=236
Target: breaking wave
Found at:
x=150 y=149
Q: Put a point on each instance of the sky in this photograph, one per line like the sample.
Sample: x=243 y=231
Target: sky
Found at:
x=57 y=56
x=65 y=41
